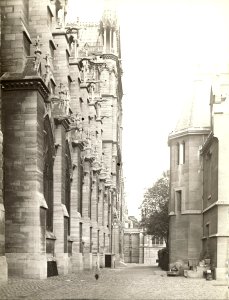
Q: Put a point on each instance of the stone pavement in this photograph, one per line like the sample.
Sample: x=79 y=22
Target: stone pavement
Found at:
x=131 y=282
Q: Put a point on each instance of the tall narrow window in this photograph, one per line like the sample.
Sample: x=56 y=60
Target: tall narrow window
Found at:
x=182 y=153
x=209 y=172
x=68 y=183
x=26 y=42
x=207 y=230
x=81 y=237
x=49 y=152
x=66 y=234
x=178 y=153
x=178 y=201
x=81 y=183
x=90 y=196
x=97 y=199
x=90 y=239
x=98 y=243
x=104 y=196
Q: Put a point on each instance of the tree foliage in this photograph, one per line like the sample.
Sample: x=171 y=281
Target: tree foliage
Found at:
x=154 y=208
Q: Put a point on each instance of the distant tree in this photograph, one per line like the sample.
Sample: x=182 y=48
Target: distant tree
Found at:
x=155 y=219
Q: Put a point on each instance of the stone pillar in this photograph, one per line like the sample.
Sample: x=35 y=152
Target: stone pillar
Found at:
x=59 y=209
x=23 y=179
x=76 y=259
x=100 y=204
x=115 y=42
x=105 y=40
x=110 y=40
x=94 y=198
x=3 y=263
x=115 y=241
x=87 y=255
x=141 y=248
x=86 y=186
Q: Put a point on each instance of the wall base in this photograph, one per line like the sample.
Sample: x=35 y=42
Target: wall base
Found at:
x=62 y=263
x=221 y=273
x=87 y=261
x=77 y=262
x=27 y=265
x=4 y=269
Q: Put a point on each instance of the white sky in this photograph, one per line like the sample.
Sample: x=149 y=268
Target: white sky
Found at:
x=163 y=43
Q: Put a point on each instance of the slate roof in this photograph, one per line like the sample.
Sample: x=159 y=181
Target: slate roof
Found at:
x=196 y=111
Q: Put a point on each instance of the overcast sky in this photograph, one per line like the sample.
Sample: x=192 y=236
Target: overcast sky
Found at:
x=164 y=43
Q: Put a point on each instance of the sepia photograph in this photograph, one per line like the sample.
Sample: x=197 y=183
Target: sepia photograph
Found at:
x=114 y=149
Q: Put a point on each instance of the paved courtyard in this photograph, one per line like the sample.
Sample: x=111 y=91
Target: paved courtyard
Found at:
x=130 y=282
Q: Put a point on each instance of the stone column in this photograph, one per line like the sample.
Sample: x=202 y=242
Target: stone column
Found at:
x=115 y=42
x=87 y=255
x=141 y=248
x=76 y=259
x=110 y=40
x=105 y=40
x=3 y=263
x=59 y=209
x=86 y=186
x=23 y=179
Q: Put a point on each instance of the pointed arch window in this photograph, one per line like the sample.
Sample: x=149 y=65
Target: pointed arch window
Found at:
x=49 y=152
x=180 y=153
x=68 y=183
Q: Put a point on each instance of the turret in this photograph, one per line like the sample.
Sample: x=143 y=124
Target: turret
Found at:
x=109 y=27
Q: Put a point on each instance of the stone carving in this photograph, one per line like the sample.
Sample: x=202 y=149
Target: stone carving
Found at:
x=38 y=53
x=64 y=98
x=48 y=73
x=84 y=71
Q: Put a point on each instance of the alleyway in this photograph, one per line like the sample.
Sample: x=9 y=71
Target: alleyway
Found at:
x=131 y=282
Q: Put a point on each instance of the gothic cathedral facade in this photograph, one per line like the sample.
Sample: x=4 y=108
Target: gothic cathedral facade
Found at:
x=61 y=200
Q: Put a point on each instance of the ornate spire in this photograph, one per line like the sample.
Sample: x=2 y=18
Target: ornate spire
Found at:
x=109 y=17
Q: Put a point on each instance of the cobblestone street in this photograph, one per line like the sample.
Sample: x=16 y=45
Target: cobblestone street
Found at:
x=131 y=282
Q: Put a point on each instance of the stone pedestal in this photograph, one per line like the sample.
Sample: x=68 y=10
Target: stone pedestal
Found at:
x=221 y=273
x=102 y=260
x=27 y=265
x=62 y=263
x=87 y=261
x=95 y=259
x=77 y=262
x=4 y=269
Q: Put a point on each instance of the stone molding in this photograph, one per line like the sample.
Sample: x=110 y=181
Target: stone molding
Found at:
x=188 y=131
x=26 y=84
x=217 y=203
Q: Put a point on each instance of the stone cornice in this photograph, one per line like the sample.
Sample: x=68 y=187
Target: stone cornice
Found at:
x=26 y=84
x=188 y=131
x=217 y=203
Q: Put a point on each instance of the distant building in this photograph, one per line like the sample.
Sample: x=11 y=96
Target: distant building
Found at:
x=198 y=179
x=61 y=199
x=139 y=247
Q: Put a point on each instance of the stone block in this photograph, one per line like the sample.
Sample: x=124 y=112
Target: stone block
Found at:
x=27 y=265
x=4 y=269
x=87 y=261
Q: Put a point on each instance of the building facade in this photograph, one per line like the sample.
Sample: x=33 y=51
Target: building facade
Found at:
x=215 y=179
x=198 y=179
x=138 y=246
x=61 y=164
